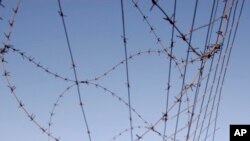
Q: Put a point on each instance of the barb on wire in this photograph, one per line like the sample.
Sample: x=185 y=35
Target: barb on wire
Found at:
x=127 y=69
x=221 y=40
x=194 y=107
x=74 y=69
x=38 y=64
x=113 y=94
x=55 y=105
x=182 y=36
x=225 y=70
x=21 y=105
x=169 y=74
x=157 y=37
x=12 y=87
x=185 y=69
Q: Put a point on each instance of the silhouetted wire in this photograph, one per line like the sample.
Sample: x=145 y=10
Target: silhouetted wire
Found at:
x=213 y=14
x=171 y=118
x=123 y=101
x=205 y=129
x=217 y=64
x=127 y=69
x=201 y=69
x=170 y=109
x=154 y=130
x=6 y=74
x=226 y=67
x=117 y=97
x=153 y=30
x=224 y=56
x=55 y=105
x=185 y=87
x=186 y=126
x=139 y=53
x=192 y=133
x=169 y=73
x=183 y=128
x=38 y=64
x=203 y=55
x=21 y=105
x=74 y=69
x=205 y=25
x=137 y=127
x=185 y=70
x=182 y=36
x=126 y=130
x=217 y=67
x=209 y=33
x=11 y=24
x=56 y=75
x=210 y=134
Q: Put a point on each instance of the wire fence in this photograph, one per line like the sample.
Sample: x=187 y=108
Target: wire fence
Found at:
x=192 y=73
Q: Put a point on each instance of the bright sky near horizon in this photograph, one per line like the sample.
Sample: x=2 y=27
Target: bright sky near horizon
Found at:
x=38 y=62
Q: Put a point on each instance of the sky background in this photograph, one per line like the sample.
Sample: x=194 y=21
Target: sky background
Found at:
x=95 y=29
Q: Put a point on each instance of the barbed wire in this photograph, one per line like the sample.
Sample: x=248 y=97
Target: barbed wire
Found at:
x=157 y=37
x=6 y=74
x=170 y=71
x=55 y=105
x=74 y=69
x=222 y=64
x=209 y=71
x=226 y=66
x=220 y=38
x=31 y=59
x=208 y=40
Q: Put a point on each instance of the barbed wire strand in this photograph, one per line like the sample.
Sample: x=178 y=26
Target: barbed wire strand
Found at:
x=74 y=69
x=154 y=130
x=177 y=101
x=132 y=56
x=182 y=36
x=222 y=64
x=218 y=39
x=185 y=70
x=6 y=74
x=153 y=31
x=117 y=97
x=198 y=79
x=184 y=91
x=226 y=67
x=11 y=25
x=203 y=26
x=169 y=72
x=55 y=105
x=208 y=38
x=201 y=70
x=127 y=69
x=31 y=59
x=39 y=65
x=218 y=82
x=173 y=117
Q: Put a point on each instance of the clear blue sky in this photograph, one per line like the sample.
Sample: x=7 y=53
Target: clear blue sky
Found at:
x=95 y=29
